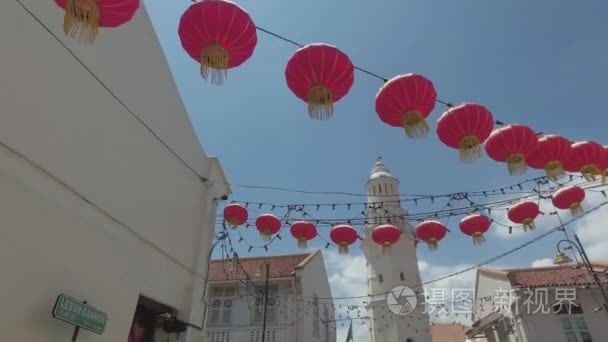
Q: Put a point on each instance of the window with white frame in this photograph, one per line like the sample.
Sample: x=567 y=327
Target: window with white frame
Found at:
x=316 y=316
x=220 y=308
x=271 y=308
x=573 y=323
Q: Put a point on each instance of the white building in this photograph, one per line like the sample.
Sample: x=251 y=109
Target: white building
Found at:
x=299 y=308
x=92 y=204
x=533 y=305
x=400 y=268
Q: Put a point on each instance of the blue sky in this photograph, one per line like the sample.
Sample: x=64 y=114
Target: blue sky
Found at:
x=540 y=63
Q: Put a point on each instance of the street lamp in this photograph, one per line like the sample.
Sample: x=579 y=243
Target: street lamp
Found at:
x=561 y=258
x=258 y=275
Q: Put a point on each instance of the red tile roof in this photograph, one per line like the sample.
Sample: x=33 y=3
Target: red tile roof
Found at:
x=565 y=275
x=281 y=266
x=448 y=333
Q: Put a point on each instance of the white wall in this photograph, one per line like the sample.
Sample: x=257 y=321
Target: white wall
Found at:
x=151 y=218
x=547 y=327
x=242 y=315
x=314 y=280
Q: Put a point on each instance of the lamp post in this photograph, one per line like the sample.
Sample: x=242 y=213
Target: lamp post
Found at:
x=561 y=258
x=259 y=275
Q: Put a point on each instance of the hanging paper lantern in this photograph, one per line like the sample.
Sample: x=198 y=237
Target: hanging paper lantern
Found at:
x=303 y=231
x=603 y=164
x=219 y=35
x=550 y=154
x=343 y=235
x=235 y=214
x=431 y=232
x=320 y=75
x=83 y=18
x=465 y=127
x=268 y=225
x=475 y=225
x=386 y=236
x=511 y=144
x=406 y=101
x=570 y=197
x=585 y=157
x=524 y=213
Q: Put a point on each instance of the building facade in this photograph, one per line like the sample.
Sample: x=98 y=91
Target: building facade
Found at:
x=547 y=304
x=390 y=271
x=93 y=205
x=299 y=308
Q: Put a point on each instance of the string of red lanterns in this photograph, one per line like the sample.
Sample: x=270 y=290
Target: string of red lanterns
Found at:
x=221 y=35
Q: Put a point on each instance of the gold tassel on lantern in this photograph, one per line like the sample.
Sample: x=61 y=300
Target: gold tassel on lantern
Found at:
x=478 y=238
x=266 y=236
x=232 y=223
x=554 y=170
x=470 y=149
x=529 y=224
x=517 y=164
x=576 y=209
x=320 y=103
x=431 y=244
x=589 y=172
x=387 y=248
x=214 y=61
x=81 y=20
x=343 y=248
x=415 y=125
x=302 y=243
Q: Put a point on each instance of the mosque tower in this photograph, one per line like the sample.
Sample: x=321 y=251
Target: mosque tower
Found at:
x=387 y=272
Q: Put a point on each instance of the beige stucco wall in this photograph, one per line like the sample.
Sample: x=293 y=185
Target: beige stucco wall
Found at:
x=98 y=209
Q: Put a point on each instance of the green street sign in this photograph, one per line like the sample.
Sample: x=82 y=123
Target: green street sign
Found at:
x=80 y=314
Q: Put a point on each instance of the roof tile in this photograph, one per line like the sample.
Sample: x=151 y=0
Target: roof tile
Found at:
x=281 y=266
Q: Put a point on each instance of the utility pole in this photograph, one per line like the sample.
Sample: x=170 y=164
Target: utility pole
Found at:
x=265 y=301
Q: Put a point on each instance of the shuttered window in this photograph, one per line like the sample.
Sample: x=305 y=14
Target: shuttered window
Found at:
x=220 y=310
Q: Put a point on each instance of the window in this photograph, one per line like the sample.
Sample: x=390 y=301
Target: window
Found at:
x=272 y=307
x=380 y=279
x=220 y=311
x=402 y=276
x=380 y=189
x=386 y=188
x=392 y=189
x=575 y=329
x=315 y=317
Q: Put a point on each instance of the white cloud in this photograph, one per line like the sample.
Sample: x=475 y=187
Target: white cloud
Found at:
x=347 y=278
x=542 y=262
x=593 y=234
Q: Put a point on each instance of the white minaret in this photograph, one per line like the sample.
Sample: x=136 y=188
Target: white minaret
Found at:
x=399 y=268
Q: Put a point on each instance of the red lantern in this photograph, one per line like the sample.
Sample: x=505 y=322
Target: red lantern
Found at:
x=219 y=35
x=406 y=101
x=524 y=213
x=603 y=164
x=83 y=18
x=475 y=225
x=343 y=235
x=511 y=144
x=465 y=127
x=386 y=236
x=268 y=225
x=431 y=232
x=551 y=152
x=570 y=197
x=235 y=214
x=303 y=231
x=320 y=75
x=585 y=157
